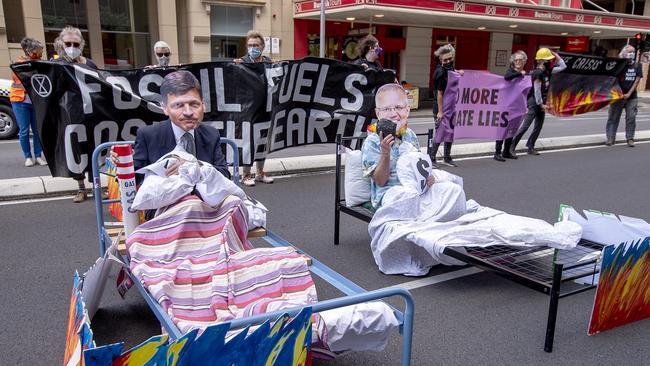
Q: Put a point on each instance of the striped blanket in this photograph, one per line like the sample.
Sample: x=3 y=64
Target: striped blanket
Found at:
x=197 y=262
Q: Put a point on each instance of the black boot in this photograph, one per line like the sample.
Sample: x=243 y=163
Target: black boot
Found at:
x=447 y=157
x=508 y=150
x=434 y=152
x=498 y=157
x=497 y=151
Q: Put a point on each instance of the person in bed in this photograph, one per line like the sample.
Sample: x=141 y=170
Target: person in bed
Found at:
x=379 y=153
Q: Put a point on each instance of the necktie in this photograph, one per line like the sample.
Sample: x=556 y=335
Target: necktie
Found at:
x=188 y=143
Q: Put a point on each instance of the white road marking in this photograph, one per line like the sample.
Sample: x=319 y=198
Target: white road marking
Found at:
x=412 y=285
x=37 y=200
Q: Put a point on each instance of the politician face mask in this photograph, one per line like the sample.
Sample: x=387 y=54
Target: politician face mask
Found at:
x=73 y=52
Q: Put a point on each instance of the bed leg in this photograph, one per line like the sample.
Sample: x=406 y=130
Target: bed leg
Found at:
x=553 y=306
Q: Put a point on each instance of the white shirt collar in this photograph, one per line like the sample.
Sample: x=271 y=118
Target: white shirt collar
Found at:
x=179 y=132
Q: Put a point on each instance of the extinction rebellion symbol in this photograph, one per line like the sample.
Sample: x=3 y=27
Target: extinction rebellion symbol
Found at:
x=42 y=85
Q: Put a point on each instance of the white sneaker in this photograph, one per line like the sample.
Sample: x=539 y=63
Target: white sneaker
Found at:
x=263 y=178
x=248 y=181
x=29 y=162
x=41 y=161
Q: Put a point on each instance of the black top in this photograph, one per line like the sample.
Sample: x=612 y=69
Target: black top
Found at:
x=90 y=63
x=542 y=76
x=627 y=77
x=439 y=83
x=249 y=60
x=512 y=74
x=374 y=65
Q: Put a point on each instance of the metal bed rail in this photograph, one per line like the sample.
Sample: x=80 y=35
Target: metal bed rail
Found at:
x=354 y=293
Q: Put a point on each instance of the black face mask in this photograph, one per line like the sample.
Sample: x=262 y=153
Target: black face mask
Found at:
x=448 y=66
x=548 y=65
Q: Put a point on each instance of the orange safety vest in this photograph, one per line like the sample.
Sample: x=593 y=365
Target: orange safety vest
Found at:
x=17 y=90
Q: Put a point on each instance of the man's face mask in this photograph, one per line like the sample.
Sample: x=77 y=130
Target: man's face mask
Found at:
x=163 y=58
x=379 y=51
x=631 y=55
x=447 y=62
x=254 y=52
x=73 y=52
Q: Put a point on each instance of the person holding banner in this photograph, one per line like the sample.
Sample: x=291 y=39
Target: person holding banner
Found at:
x=629 y=80
x=72 y=43
x=548 y=63
x=162 y=52
x=379 y=153
x=256 y=44
x=22 y=105
x=516 y=70
x=369 y=53
x=444 y=129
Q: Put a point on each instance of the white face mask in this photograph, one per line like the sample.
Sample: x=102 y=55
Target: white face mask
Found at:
x=73 y=52
x=163 y=60
x=631 y=55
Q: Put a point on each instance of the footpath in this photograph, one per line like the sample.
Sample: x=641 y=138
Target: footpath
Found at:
x=47 y=186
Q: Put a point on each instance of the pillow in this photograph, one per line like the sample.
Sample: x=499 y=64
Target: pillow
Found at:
x=357 y=187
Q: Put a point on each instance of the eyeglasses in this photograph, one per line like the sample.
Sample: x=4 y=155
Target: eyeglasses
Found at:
x=72 y=44
x=161 y=54
x=520 y=60
x=397 y=108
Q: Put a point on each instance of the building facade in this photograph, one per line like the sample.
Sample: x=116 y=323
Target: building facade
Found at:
x=120 y=34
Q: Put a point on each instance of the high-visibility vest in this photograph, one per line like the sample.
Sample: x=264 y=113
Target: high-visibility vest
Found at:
x=17 y=90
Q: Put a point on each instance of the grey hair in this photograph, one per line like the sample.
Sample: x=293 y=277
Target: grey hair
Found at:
x=178 y=82
x=161 y=44
x=443 y=50
x=59 y=47
x=514 y=55
x=389 y=87
x=622 y=54
x=29 y=44
x=73 y=31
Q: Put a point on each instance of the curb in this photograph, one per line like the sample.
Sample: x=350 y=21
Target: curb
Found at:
x=44 y=186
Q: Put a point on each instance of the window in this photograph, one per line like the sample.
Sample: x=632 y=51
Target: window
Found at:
x=228 y=28
x=14 y=20
x=59 y=13
x=125 y=34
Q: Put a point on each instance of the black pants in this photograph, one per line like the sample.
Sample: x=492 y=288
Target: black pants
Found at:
x=498 y=146
x=535 y=113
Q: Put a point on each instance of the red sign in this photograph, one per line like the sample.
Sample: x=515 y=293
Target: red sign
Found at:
x=577 y=44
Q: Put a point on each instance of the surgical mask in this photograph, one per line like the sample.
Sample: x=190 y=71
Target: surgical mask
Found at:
x=254 y=52
x=631 y=55
x=73 y=52
x=163 y=60
x=379 y=51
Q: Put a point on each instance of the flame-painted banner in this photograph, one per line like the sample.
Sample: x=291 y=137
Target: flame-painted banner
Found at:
x=263 y=107
x=623 y=294
x=588 y=84
x=286 y=342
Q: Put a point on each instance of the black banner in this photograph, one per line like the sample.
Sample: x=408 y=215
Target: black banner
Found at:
x=588 y=84
x=262 y=107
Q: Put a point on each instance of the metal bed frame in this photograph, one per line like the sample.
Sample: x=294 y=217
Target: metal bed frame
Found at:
x=354 y=293
x=359 y=212
x=543 y=269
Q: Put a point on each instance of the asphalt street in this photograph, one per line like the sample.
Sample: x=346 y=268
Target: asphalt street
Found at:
x=475 y=319
x=593 y=123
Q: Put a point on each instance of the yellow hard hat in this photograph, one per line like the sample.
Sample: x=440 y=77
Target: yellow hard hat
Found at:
x=544 y=54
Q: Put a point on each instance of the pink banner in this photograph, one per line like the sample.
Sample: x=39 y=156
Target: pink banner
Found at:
x=483 y=105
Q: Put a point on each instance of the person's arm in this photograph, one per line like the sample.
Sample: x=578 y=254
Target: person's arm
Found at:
x=635 y=84
x=382 y=171
x=140 y=154
x=537 y=88
x=439 y=95
x=560 y=65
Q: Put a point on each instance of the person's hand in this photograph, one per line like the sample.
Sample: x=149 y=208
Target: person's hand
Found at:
x=173 y=168
x=439 y=117
x=430 y=180
x=626 y=96
x=238 y=61
x=545 y=107
x=365 y=66
x=112 y=157
x=523 y=72
x=461 y=72
x=386 y=143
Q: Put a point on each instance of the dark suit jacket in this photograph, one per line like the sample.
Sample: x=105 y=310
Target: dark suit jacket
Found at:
x=152 y=142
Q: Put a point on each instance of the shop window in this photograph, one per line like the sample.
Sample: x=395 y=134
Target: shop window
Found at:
x=125 y=34
x=228 y=28
x=14 y=20
x=395 y=32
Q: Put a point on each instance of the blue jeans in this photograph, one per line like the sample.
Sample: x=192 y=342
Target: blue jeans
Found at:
x=25 y=117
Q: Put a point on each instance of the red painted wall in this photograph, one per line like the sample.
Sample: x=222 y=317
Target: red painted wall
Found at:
x=472 y=48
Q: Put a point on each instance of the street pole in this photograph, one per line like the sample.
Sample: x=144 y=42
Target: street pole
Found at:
x=322 y=28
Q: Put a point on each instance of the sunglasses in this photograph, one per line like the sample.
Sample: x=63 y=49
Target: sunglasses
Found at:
x=72 y=44
x=162 y=54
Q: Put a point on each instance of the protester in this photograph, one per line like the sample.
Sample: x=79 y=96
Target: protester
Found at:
x=163 y=53
x=548 y=62
x=516 y=70
x=255 y=43
x=629 y=80
x=446 y=55
x=73 y=44
x=369 y=52
x=23 y=108
x=380 y=153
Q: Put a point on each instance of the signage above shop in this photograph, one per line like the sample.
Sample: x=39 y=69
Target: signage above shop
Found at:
x=577 y=44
